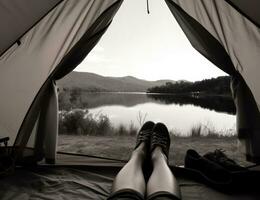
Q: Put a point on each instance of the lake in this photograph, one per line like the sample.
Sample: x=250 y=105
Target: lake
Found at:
x=213 y=115
x=181 y=114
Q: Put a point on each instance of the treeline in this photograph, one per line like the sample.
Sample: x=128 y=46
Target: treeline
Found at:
x=214 y=86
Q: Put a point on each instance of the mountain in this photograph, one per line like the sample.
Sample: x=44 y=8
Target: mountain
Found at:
x=94 y=82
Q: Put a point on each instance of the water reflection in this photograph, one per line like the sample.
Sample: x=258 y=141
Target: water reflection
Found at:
x=179 y=113
x=180 y=119
x=216 y=103
x=93 y=100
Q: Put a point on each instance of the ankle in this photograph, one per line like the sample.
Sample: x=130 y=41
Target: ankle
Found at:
x=140 y=151
x=158 y=155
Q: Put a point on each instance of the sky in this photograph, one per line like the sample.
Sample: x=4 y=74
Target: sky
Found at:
x=147 y=46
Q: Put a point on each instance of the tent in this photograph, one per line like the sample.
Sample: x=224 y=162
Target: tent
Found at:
x=42 y=41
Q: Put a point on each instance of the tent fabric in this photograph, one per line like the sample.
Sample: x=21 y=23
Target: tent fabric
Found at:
x=202 y=40
x=26 y=67
x=231 y=41
x=250 y=9
x=67 y=64
x=46 y=142
x=91 y=182
x=30 y=133
x=18 y=17
x=42 y=124
x=238 y=35
x=52 y=38
x=248 y=118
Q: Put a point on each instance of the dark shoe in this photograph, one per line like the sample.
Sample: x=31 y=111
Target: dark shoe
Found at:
x=219 y=157
x=161 y=138
x=210 y=171
x=144 y=134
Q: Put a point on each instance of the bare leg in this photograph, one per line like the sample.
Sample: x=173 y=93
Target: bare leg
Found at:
x=131 y=175
x=161 y=178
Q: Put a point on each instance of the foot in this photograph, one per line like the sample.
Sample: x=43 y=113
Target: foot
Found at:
x=144 y=135
x=161 y=138
x=143 y=147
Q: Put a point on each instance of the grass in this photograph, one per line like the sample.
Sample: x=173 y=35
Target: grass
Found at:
x=84 y=133
x=120 y=147
x=81 y=122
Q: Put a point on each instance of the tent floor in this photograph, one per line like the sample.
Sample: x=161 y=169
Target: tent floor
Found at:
x=91 y=180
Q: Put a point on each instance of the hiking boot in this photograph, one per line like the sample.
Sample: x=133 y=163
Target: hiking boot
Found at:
x=144 y=134
x=160 y=137
x=210 y=171
x=219 y=157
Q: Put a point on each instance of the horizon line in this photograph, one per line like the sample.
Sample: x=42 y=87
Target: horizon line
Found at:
x=144 y=79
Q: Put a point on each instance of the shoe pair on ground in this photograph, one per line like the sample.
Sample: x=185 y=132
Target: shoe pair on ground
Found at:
x=215 y=167
x=154 y=135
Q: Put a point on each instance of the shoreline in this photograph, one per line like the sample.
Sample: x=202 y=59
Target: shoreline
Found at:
x=120 y=147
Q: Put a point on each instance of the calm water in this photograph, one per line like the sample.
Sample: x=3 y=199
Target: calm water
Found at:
x=179 y=113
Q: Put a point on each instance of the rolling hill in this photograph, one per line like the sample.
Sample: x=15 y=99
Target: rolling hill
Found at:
x=94 y=82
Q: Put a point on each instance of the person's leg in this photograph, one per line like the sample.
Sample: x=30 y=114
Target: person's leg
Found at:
x=131 y=175
x=161 y=179
x=162 y=183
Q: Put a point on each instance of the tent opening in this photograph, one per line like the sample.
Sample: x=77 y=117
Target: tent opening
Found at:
x=142 y=69
x=104 y=101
